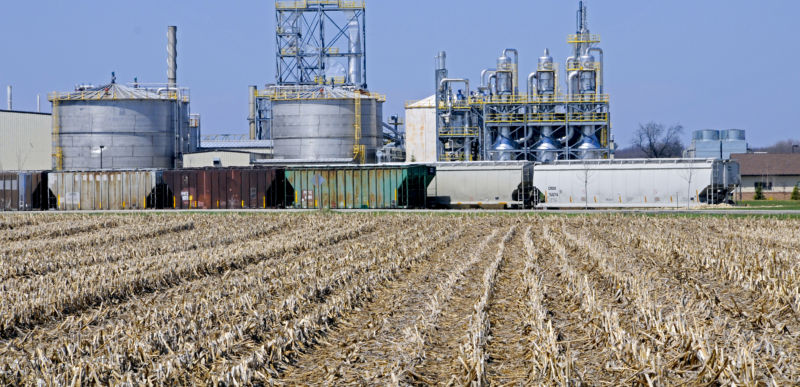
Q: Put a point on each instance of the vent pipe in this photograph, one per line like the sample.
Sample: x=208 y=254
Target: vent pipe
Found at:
x=38 y=103
x=252 y=117
x=172 y=56
x=9 y=97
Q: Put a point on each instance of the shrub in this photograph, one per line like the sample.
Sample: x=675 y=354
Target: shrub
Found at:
x=759 y=193
x=795 y=193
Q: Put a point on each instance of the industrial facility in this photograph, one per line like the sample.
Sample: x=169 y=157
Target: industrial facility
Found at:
x=320 y=110
x=318 y=133
x=499 y=122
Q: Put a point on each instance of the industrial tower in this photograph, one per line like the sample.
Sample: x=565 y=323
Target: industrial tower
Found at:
x=497 y=122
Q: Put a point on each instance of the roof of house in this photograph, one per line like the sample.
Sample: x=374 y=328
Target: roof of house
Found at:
x=773 y=164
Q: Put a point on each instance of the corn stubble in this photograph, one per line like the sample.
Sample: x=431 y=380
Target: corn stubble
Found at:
x=287 y=299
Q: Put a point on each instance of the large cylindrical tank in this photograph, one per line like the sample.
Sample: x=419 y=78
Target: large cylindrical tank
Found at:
x=120 y=130
x=732 y=134
x=317 y=128
x=706 y=135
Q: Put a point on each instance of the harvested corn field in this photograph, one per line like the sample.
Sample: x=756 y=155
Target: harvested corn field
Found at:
x=364 y=299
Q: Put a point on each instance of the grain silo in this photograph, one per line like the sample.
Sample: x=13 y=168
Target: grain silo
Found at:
x=319 y=110
x=117 y=127
x=123 y=126
x=325 y=123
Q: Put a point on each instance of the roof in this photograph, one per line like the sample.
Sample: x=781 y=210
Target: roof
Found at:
x=24 y=112
x=116 y=91
x=428 y=102
x=773 y=164
x=218 y=144
x=293 y=93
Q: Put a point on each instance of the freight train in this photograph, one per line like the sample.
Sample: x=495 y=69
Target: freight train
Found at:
x=317 y=186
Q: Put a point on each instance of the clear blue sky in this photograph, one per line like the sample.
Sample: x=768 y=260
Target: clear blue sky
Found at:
x=701 y=63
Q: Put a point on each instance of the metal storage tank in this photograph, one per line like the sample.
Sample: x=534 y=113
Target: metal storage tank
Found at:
x=320 y=123
x=120 y=127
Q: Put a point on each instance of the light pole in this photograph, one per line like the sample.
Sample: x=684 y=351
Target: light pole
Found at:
x=101 y=155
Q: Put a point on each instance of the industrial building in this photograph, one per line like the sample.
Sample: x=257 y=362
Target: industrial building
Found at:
x=320 y=110
x=776 y=173
x=499 y=122
x=25 y=140
x=720 y=144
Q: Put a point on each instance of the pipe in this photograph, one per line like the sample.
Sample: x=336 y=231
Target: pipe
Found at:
x=354 y=60
x=528 y=136
x=484 y=72
x=172 y=56
x=515 y=70
x=531 y=88
x=8 y=94
x=493 y=76
x=440 y=60
x=252 y=117
x=570 y=89
x=602 y=67
x=445 y=81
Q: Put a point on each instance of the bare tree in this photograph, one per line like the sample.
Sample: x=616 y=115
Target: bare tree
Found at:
x=656 y=141
x=783 y=146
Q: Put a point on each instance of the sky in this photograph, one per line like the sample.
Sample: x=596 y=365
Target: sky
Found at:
x=699 y=63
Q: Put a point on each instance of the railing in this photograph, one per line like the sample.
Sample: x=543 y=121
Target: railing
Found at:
x=546 y=117
x=588 y=117
x=576 y=65
x=505 y=118
x=194 y=120
x=583 y=38
x=300 y=95
x=320 y=80
x=97 y=95
x=306 y=3
x=459 y=131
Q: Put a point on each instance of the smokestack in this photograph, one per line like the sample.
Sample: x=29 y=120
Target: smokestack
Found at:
x=172 y=56
x=38 y=103
x=252 y=117
x=9 y=98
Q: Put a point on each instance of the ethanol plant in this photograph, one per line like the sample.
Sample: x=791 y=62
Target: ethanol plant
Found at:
x=499 y=122
x=319 y=110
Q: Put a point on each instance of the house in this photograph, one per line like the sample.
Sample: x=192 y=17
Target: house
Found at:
x=776 y=173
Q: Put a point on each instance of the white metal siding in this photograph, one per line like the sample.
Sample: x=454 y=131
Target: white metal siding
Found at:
x=25 y=141
x=421 y=132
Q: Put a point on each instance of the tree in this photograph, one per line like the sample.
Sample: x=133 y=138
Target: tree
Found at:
x=759 y=193
x=795 y=193
x=656 y=141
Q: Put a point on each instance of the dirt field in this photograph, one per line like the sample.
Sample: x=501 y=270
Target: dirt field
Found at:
x=400 y=299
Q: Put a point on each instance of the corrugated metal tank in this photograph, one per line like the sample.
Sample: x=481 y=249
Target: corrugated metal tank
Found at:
x=317 y=129
x=137 y=129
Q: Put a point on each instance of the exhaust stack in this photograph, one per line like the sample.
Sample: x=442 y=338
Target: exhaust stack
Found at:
x=172 y=56
x=9 y=97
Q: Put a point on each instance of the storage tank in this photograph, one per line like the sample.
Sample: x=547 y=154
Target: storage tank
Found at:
x=121 y=127
x=319 y=123
x=733 y=135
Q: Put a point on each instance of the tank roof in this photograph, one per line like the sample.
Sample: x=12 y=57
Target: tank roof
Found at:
x=116 y=91
x=292 y=93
